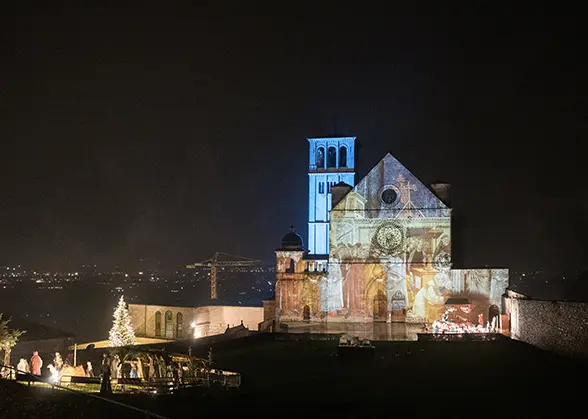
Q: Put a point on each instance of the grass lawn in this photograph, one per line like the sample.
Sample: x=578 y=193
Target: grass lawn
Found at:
x=307 y=379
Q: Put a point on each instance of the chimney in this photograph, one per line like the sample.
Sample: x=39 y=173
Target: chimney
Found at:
x=338 y=191
x=443 y=192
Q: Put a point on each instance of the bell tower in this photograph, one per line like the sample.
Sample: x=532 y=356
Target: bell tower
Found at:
x=332 y=160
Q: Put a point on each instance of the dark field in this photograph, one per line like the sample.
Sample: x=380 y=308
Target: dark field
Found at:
x=306 y=379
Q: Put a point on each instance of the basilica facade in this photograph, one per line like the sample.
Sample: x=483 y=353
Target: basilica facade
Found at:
x=379 y=251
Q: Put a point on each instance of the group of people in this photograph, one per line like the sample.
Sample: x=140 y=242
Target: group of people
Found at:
x=147 y=366
x=144 y=366
x=23 y=366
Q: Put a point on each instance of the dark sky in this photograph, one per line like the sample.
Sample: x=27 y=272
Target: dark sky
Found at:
x=171 y=134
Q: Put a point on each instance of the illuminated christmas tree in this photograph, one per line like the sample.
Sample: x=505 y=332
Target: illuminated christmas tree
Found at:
x=122 y=333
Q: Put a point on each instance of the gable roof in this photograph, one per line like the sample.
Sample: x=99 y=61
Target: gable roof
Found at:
x=412 y=197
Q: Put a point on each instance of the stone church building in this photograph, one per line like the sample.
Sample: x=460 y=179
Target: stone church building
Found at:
x=379 y=251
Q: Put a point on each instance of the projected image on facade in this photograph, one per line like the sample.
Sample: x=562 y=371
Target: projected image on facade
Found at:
x=390 y=246
x=389 y=259
x=298 y=287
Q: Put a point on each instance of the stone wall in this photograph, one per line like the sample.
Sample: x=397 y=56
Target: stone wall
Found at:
x=558 y=326
x=195 y=322
x=143 y=320
x=223 y=316
x=269 y=309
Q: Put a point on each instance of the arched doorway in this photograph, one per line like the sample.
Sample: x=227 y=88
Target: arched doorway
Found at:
x=493 y=311
x=306 y=313
x=380 y=307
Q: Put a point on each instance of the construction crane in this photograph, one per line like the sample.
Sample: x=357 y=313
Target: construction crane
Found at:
x=215 y=262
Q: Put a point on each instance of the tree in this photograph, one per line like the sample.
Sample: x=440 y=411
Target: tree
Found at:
x=122 y=333
x=8 y=338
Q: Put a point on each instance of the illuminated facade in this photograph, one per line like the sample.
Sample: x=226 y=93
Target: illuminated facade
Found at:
x=389 y=253
x=332 y=160
x=167 y=322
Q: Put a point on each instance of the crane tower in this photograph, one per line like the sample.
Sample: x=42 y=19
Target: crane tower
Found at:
x=216 y=261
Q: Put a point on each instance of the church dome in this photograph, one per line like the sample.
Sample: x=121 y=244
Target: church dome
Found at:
x=292 y=241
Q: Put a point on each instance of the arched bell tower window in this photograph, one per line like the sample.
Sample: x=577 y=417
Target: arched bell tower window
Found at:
x=343 y=156
x=332 y=157
x=290 y=267
x=320 y=158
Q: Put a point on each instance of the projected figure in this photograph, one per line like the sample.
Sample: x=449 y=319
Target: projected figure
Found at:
x=498 y=286
x=442 y=254
x=332 y=288
x=396 y=284
x=477 y=282
x=428 y=304
x=416 y=260
x=444 y=282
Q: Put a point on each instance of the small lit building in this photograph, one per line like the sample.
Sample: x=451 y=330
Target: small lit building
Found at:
x=459 y=310
x=168 y=322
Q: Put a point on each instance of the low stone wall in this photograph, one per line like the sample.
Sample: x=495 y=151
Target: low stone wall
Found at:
x=187 y=322
x=557 y=326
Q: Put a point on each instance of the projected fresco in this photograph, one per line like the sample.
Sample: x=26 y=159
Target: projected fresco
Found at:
x=390 y=238
x=389 y=260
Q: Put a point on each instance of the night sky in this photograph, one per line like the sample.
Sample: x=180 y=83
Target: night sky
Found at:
x=170 y=134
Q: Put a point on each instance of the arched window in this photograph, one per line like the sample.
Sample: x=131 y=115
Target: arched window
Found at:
x=169 y=325
x=332 y=157
x=320 y=158
x=179 y=325
x=290 y=267
x=158 y=323
x=306 y=313
x=343 y=156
